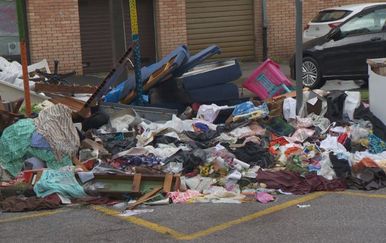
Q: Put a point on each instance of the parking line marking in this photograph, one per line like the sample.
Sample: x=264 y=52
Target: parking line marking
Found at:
x=141 y=222
x=362 y=194
x=253 y=216
x=181 y=236
x=30 y=216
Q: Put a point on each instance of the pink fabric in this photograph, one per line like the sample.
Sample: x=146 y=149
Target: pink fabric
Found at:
x=264 y=197
x=182 y=197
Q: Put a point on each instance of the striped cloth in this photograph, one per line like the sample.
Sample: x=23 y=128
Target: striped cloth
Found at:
x=55 y=124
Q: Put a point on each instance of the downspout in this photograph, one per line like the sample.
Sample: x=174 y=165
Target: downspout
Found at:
x=265 y=29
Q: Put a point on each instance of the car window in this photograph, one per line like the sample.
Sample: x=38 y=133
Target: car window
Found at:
x=330 y=15
x=372 y=22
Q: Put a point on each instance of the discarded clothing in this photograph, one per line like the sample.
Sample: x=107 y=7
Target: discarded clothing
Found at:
x=38 y=141
x=55 y=124
x=278 y=126
x=341 y=166
x=376 y=145
x=368 y=179
x=183 y=197
x=22 y=204
x=58 y=181
x=335 y=103
x=190 y=159
x=13 y=144
x=364 y=113
x=117 y=142
x=296 y=184
x=364 y=163
x=202 y=136
x=253 y=154
x=95 y=121
x=264 y=197
x=143 y=160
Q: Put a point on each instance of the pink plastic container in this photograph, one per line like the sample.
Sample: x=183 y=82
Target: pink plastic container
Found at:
x=268 y=81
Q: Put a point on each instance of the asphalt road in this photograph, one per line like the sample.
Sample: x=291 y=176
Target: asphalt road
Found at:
x=331 y=217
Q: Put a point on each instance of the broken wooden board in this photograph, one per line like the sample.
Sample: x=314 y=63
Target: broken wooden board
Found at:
x=64 y=89
x=134 y=185
x=73 y=104
x=145 y=198
x=161 y=74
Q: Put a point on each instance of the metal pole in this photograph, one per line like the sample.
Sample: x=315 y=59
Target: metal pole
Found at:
x=265 y=29
x=23 y=53
x=137 y=51
x=299 y=54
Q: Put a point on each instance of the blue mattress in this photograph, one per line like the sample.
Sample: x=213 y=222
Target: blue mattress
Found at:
x=124 y=88
x=197 y=59
x=211 y=74
x=214 y=93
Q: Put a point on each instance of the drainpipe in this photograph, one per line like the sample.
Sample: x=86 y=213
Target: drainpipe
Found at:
x=299 y=54
x=20 y=6
x=265 y=29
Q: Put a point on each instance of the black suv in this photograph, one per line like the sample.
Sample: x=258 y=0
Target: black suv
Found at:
x=342 y=53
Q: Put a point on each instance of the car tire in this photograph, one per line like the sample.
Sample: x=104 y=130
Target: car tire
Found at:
x=312 y=77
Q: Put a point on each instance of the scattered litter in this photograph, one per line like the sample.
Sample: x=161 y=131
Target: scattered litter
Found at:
x=264 y=197
x=128 y=213
x=303 y=205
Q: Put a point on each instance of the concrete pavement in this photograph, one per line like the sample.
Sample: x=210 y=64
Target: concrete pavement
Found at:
x=351 y=216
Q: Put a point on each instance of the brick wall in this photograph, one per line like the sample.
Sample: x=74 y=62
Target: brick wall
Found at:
x=281 y=17
x=170 y=20
x=54 y=33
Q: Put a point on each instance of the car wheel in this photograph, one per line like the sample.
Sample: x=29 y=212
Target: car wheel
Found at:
x=311 y=73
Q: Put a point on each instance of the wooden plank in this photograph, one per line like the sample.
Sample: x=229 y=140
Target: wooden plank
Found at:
x=168 y=183
x=144 y=198
x=136 y=183
x=64 y=89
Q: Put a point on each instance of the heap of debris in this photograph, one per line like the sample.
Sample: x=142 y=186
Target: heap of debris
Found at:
x=223 y=148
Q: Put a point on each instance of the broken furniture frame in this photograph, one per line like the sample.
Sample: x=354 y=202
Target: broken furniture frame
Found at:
x=135 y=185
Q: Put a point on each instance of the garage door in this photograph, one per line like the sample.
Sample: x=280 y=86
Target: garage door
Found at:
x=96 y=35
x=227 y=23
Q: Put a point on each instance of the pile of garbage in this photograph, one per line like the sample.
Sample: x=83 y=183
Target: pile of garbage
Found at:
x=220 y=154
x=221 y=149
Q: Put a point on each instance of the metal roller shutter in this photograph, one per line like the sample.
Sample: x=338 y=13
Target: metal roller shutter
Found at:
x=96 y=35
x=227 y=23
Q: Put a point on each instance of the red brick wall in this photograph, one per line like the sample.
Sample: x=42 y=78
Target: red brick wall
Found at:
x=170 y=20
x=54 y=33
x=281 y=17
